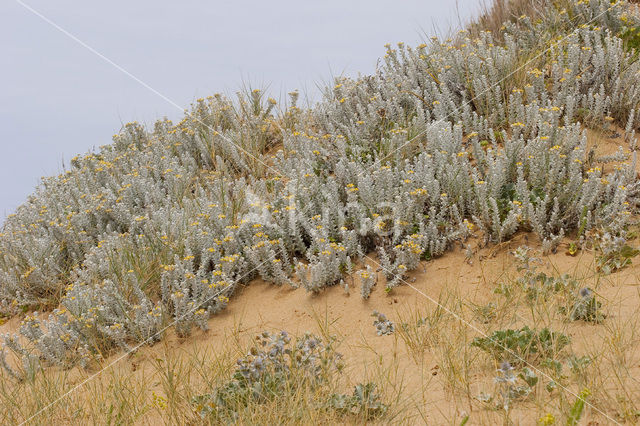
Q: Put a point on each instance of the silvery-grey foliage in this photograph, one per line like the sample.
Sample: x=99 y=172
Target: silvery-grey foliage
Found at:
x=367 y=281
x=441 y=143
x=383 y=325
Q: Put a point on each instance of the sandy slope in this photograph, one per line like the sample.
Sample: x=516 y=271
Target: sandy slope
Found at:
x=430 y=391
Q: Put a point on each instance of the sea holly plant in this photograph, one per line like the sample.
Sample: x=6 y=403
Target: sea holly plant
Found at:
x=518 y=346
x=365 y=401
x=509 y=391
x=274 y=367
x=510 y=387
x=586 y=307
x=615 y=253
x=537 y=284
x=576 y=303
x=383 y=325
x=277 y=366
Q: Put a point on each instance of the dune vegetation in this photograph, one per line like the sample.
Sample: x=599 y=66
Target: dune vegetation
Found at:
x=151 y=281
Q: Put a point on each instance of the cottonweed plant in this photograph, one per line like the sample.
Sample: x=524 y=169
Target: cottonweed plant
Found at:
x=367 y=281
x=479 y=136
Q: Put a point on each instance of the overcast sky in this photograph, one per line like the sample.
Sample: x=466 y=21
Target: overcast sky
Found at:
x=59 y=98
